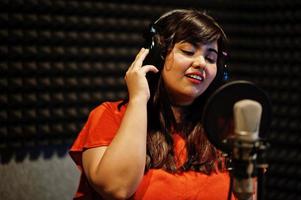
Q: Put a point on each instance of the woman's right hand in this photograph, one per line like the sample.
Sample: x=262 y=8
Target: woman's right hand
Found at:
x=135 y=77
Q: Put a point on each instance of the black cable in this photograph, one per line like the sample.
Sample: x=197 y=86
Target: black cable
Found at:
x=230 y=187
x=260 y=184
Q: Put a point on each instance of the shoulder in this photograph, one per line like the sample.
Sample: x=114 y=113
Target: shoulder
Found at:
x=105 y=118
x=101 y=126
x=109 y=107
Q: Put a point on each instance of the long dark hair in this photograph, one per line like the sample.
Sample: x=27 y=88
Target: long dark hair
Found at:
x=197 y=28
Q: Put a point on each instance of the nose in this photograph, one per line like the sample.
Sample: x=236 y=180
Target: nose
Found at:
x=199 y=62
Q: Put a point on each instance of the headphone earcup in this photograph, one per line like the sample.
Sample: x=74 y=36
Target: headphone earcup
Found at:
x=154 y=56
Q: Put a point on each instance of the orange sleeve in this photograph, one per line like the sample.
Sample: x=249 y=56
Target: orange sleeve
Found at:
x=102 y=124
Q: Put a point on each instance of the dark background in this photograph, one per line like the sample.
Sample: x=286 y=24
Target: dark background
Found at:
x=61 y=58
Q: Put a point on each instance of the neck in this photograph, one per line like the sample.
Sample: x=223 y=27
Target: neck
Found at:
x=178 y=112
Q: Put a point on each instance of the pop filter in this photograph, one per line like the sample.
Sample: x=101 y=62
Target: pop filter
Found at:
x=217 y=116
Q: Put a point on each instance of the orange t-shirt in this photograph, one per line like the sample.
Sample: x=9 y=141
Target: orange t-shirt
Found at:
x=157 y=184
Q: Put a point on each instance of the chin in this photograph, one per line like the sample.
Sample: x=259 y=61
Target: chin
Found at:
x=196 y=94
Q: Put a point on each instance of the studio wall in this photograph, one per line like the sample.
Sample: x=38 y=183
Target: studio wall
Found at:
x=60 y=59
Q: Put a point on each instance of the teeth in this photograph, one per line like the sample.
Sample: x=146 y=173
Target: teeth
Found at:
x=196 y=77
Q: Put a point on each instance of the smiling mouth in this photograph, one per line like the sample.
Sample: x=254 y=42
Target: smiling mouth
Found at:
x=195 y=77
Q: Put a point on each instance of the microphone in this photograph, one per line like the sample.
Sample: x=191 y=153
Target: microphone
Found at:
x=247 y=116
x=236 y=119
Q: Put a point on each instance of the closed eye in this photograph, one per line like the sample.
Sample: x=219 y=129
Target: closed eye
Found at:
x=211 y=60
x=189 y=53
x=211 y=56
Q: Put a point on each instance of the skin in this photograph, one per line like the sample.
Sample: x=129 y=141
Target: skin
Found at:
x=119 y=180
x=185 y=59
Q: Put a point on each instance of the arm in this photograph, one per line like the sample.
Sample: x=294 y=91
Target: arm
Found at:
x=115 y=171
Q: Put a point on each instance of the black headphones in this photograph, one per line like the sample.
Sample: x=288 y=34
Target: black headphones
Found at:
x=156 y=57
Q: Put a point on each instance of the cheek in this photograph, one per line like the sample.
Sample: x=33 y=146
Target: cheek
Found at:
x=212 y=71
x=176 y=66
x=183 y=62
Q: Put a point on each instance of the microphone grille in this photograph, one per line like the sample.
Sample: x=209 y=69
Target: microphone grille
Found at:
x=247 y=116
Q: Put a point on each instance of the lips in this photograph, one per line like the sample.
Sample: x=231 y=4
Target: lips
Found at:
x=196 y=77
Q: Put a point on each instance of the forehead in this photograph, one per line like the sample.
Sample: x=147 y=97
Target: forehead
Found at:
x=209 y=45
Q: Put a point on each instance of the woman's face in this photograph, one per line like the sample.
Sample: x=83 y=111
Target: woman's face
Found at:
x=189 y=70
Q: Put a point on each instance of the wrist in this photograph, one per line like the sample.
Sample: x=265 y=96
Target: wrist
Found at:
x=138 y=101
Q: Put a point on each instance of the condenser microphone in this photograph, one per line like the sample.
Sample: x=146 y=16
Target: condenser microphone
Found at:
x=236 y=119
x=247 y=116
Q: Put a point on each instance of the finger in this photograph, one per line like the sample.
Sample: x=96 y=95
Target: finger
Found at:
x=149 y=68
x=140 y=58
x=137 y=57
x=140 y=52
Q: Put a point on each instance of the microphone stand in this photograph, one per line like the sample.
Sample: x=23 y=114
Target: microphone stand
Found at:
x=243 y=169
x=262 y=167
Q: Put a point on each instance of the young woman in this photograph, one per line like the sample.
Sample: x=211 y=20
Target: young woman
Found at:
x=152 y=145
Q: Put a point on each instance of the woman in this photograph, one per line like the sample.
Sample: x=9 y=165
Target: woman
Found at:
x=152 y=145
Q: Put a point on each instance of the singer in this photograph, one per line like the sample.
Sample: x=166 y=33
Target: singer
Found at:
x=152 y=145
